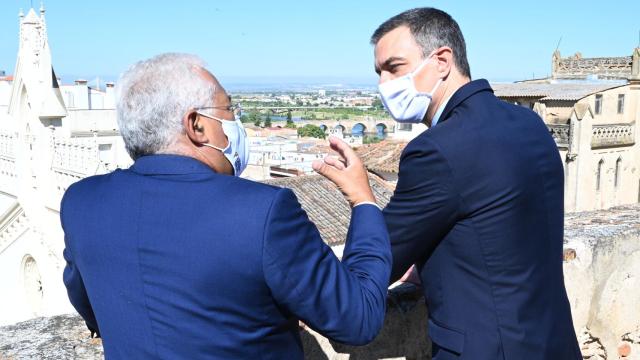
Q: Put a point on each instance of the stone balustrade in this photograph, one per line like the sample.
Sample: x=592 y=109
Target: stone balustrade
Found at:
x=75 y=156
x=612 y=135
x=7 y=145
x=602 y=136
x=561 y=134
x=8 y=174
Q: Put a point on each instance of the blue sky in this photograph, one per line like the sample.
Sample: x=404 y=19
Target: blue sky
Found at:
x=506 y=40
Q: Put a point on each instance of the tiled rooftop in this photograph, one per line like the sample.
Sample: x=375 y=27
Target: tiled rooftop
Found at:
x=382 y=157
x=559 y=91
x=325 y=204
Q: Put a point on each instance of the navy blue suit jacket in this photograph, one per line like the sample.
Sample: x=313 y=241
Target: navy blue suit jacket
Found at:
x=170 y=260
x=479 y=209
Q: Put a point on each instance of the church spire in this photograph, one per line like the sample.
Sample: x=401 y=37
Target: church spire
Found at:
x=34 y=76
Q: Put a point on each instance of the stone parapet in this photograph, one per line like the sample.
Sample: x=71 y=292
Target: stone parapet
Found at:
x=602 y=277
x=612 y=135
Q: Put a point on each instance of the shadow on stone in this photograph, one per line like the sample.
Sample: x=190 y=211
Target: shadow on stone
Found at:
x=404 y=334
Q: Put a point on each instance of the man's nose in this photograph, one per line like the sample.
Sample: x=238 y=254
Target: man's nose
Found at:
x=384 y=77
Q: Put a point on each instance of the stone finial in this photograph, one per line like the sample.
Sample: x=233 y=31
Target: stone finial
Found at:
x=42 y=8
x=635 y=64
x=21 y=14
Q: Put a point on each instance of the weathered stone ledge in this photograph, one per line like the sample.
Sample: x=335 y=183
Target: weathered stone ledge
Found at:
x=602 y=276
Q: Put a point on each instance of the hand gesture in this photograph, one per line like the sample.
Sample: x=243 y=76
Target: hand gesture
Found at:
x=346 y=171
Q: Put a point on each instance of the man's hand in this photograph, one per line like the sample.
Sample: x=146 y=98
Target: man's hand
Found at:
x=347 y=172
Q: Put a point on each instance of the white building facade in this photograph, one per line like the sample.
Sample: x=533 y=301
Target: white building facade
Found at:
x=45 y=146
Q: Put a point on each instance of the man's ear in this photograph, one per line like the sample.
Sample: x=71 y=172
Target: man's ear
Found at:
x=192 y=123
x=444 y=55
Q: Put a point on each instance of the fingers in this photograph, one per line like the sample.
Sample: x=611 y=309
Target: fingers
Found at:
x=335 y=162
x=344 y=150
x=324 y=169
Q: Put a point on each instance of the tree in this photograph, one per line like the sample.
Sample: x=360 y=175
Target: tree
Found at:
x=267 y=121
x=290 y=124
x=310 y=130
x=377 y=104
x=253 y=117
x=371 y=139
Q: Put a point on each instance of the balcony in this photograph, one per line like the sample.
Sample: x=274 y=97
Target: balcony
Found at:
x=561 y=134
x=612 y=135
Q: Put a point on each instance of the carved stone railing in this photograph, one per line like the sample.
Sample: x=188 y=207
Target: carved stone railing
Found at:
x=7 y=145
x=73 y=160
x=78 y=155
x=561 y=134
x=576 y=67
x=612 y=135
x=8 y=174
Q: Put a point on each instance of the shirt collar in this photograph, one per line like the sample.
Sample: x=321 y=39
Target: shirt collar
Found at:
x=438 y=113
x=463 y=93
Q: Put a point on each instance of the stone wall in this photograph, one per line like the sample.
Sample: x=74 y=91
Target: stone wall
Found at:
x=66 y=337
x=602 y=276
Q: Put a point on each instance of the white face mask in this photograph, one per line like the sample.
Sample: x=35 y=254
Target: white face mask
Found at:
x=401 y=98
x=237 y=149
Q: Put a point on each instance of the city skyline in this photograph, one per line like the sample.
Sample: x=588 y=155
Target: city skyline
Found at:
x=319 y=43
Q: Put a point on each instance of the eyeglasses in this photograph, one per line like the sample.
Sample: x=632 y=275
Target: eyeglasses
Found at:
x=230 y=108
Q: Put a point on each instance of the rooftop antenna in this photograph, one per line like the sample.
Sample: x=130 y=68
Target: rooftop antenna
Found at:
x=559 y=41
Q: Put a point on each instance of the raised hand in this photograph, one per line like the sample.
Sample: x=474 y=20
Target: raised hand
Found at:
x=346 y=171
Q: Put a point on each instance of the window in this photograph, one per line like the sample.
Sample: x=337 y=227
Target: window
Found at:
x=599 y=175
x=598 y=104
x=616 y=179
x=621 y=104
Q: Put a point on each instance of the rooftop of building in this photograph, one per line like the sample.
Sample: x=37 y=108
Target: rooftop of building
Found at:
x=562 y=91
x=325 y=204
x=382 y=157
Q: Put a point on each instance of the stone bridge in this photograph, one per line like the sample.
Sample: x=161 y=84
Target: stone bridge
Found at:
x=367 y=126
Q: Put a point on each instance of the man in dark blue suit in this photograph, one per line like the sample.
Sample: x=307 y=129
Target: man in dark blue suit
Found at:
x=478 y=205
x=176 y=258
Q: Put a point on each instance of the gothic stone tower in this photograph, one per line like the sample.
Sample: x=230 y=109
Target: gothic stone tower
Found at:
x=31 y=240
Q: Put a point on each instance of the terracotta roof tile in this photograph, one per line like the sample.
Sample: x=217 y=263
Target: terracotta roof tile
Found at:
x=382 y=157
x=325 y=205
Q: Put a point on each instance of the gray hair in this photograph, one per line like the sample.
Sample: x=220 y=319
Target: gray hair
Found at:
x=152 y=97
x=431 y=28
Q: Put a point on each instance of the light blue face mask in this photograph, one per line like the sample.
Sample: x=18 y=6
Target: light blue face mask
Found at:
x=237 y=149
x=401 y=98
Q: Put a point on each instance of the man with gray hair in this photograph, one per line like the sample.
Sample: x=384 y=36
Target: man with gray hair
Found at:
x=478 y=206
x=177 y=258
